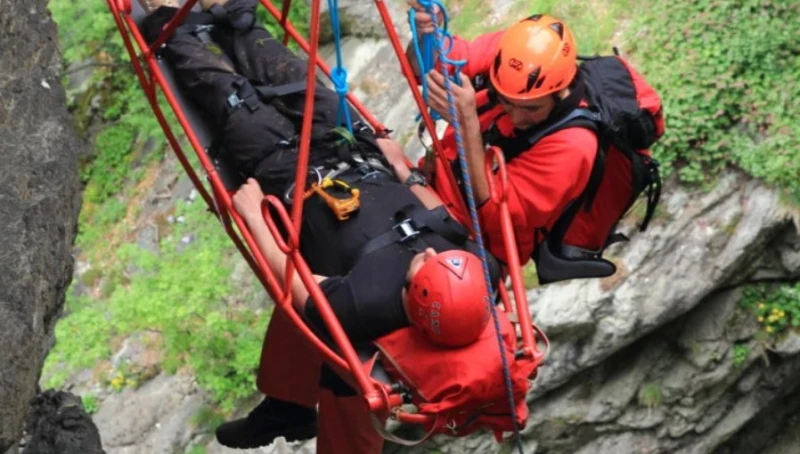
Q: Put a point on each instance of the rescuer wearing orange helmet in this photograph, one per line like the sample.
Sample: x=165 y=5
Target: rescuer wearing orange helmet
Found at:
x=514 y=82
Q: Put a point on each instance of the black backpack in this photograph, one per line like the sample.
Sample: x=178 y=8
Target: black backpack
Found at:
x=626 y=114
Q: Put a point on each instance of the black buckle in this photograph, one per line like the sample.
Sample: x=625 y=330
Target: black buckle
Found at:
x=406 y=230
x=244 y=94
x=234 y=101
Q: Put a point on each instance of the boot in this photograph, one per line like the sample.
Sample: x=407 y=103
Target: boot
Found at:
x=272 y=418
x=151 y=5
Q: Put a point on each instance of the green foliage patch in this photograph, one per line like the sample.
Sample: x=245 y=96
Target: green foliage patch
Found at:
x=740 y=354
x=184 y=293
x=776 y=308
x=650 y=395
x=727 y=72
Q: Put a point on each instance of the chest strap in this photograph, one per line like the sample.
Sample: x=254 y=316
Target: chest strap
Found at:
x=414 y=220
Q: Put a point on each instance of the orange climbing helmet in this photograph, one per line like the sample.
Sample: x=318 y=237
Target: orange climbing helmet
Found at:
x=535 y=57
x=447 y=299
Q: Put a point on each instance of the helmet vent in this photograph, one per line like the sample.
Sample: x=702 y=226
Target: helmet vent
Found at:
x=497 y=61
x=558 y=27
x=534 y=18
x=533 y=79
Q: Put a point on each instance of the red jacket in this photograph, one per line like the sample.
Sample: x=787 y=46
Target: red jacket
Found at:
x=543 y=179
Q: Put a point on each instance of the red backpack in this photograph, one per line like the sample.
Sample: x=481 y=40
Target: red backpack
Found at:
x=463 y=388
x=626 y=114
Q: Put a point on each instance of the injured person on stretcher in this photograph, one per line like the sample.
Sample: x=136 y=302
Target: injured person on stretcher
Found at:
x=397 y=260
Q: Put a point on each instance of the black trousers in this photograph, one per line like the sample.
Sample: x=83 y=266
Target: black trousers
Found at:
x=211 y=71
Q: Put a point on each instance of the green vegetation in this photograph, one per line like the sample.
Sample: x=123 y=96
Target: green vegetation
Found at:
x=593 y=23
x=727 y=73
x=197 y=449
x=776 y=308
x=650 y=396
x=740 y=354
x=208 y=418
x=184 y=293
x=529 y=276
x=90 y=403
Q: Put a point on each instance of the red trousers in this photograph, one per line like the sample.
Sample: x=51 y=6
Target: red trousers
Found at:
x=290 y=369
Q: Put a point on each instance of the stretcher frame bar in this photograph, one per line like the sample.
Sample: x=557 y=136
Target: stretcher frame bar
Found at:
x=378 y=396
x=221 y=203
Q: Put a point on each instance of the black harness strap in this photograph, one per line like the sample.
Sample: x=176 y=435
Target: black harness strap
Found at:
x=268 y=93
x=413 y=221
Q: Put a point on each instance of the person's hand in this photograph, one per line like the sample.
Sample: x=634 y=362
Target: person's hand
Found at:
x=463 y=96
x=422 y=19
x=247 y=200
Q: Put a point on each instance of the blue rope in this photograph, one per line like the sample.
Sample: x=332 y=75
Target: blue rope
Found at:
x=339 y=73
x=473 y=212
x=425 y=54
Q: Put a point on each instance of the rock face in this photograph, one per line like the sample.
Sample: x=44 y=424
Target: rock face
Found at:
x=58 y=424
x=39 y=202
x=661 y=358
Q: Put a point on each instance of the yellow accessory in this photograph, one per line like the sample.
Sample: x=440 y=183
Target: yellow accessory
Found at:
x=342 y=208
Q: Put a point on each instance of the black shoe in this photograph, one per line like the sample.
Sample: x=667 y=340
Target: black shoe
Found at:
x=272 y=418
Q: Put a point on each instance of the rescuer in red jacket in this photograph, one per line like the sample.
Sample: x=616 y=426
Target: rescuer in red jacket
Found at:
x=533 y=80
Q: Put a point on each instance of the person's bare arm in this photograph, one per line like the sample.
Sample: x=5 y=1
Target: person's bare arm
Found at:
x=464 y=100
x=247 y=201
x=397 y=159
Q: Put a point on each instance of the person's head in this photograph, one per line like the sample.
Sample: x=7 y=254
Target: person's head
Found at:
x=446 y=297
x=534 y=65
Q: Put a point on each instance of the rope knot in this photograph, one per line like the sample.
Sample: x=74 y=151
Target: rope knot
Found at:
x=339 y=80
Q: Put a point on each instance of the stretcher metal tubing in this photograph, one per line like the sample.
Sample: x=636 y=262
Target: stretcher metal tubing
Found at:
x=381 y=398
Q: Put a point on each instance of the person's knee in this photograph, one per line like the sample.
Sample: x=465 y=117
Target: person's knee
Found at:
x=154 y=23
x=240 y=14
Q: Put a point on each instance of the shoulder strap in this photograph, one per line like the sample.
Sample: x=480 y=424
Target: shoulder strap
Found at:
x=514 y=146
x=578 y=117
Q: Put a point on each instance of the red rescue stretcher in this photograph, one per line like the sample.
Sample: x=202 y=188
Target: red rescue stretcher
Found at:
x=378 y=388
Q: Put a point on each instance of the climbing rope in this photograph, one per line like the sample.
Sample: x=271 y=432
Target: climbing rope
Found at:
x=425 y=55
x=338 y=74
x=473 y=212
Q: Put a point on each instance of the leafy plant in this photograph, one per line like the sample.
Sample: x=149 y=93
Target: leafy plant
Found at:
x=650 y=396
x=776 y=309
x=185 y=293
x=740 y=354
x=726 y=72
x=90 y=403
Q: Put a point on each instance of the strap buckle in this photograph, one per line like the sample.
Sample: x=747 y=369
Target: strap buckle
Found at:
x=233 y=101
x=406 y=230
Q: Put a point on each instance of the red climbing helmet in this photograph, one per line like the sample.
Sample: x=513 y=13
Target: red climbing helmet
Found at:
x=535 y=57
x=447 y=299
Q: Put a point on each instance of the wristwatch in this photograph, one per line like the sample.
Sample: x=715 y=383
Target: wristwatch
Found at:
x=416 y=177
